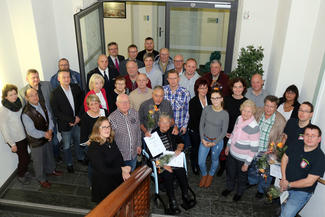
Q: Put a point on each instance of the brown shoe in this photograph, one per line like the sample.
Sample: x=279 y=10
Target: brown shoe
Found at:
x=209 y=181
x=203 y=180
x=45 y=184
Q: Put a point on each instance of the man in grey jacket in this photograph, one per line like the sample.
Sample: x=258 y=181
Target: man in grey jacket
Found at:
x=44 y=90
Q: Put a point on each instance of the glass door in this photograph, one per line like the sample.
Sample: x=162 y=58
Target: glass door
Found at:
x=196 y=30
x=90 y=38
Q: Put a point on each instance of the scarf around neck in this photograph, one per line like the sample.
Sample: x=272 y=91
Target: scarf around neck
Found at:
x=12 y=106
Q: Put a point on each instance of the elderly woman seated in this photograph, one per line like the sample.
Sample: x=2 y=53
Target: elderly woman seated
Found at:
x=173 y=143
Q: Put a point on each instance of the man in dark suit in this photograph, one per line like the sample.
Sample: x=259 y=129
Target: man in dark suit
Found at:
x=132 y=52
x=114 y=59
x=148 y=48
x=109 y=74
x=66 y=102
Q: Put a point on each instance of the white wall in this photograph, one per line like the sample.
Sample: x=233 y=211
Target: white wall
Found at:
x=258 y=29
x=34 y=34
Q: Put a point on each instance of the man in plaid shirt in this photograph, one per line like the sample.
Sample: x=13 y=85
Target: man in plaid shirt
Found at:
x=126 y=125
x=179 y=98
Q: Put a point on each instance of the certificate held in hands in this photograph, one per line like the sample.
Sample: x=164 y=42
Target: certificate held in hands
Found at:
x=154 y=144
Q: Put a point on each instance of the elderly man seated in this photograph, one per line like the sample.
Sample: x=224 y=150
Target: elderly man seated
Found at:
x=173 y=143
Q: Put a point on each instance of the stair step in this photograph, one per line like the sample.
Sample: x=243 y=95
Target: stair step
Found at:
x=41 y=209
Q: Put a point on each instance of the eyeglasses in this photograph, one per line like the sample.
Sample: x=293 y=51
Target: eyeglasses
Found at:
x=105 y=127
x=216 y=98
x=304 y=111
x=311 y=136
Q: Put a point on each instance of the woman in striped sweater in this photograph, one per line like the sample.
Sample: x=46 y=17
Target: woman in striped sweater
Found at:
x=241 y=148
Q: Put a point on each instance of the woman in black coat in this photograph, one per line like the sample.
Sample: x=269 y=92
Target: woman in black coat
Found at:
x=108 y=170
x=196 y=107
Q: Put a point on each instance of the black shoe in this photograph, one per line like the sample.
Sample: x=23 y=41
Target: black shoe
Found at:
x=259 y=195
x=70 y=169
x=236 y=197
x=188 y=203
x=58 y=160
x=225 y=192
x=173 y=208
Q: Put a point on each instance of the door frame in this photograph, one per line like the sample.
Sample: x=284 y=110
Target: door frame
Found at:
x=96 y=6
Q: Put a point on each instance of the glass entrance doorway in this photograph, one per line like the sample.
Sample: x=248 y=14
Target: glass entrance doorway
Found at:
x=191 y=28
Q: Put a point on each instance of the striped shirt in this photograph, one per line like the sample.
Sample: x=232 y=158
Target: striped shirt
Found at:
x=180 y=103
x=127 y=132
x=243 y=142
x=265 y=129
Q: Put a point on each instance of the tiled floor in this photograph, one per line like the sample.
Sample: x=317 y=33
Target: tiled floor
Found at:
x=71 y=190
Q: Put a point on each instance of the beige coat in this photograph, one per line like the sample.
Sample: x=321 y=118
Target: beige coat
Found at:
x=277 y=128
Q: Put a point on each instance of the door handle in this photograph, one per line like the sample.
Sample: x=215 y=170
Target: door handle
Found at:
x=160 y=31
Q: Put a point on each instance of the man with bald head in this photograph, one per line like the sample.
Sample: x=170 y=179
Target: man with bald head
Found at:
x=164 y=63
x=126 y=125
x=179 y=67
x=256 y=93
x=109 y=74
x=37 y=120
x=130 y=78
x=142 y=93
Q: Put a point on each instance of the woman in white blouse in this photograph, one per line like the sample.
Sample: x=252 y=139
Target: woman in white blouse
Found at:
x=12 y=129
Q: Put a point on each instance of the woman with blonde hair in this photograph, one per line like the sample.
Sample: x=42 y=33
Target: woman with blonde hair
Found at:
x=108 y=170
x=96 y=84
x=241 y=149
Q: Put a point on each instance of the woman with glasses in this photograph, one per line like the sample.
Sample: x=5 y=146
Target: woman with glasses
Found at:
x=213 y=128
x=108 y=170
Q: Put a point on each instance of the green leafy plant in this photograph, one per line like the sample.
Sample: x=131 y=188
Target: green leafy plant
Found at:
x=248 y=63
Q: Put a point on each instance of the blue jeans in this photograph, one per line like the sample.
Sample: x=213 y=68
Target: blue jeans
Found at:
x=203 y=153
x=296 y=201
x=132 y=163
x=73 y=134
x=255 y=178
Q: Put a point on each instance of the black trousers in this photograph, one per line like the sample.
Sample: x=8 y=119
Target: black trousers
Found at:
x=168 y=177
x=23 y=157
x=195 y=141
x=235 y=175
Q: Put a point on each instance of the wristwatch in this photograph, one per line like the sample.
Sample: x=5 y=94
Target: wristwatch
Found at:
x=289 y=185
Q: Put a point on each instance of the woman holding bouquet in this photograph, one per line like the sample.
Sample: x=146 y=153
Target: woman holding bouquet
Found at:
x=241 y=149
x=173 y=143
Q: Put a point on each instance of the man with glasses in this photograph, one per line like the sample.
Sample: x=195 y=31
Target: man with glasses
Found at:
x=132 y=53
x=179 y=66
x=301 y=166
x=271 y=124
x=65 y=66
x=294 y=129
x=114 y=59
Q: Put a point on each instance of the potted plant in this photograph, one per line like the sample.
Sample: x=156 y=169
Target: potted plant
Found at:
x=249 y=63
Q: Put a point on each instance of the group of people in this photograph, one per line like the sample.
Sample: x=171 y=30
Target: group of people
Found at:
x=127 y=99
